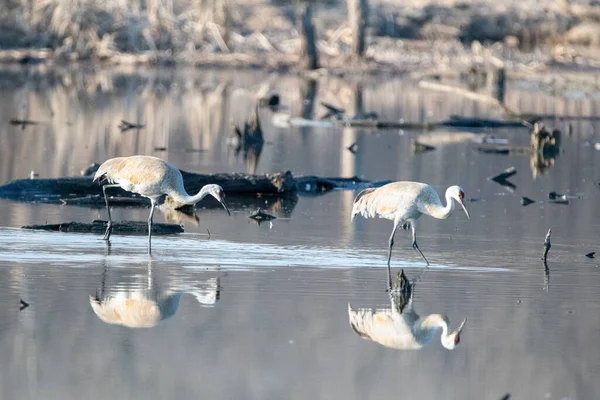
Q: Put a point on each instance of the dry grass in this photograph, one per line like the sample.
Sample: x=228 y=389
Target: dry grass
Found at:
x=262 y=33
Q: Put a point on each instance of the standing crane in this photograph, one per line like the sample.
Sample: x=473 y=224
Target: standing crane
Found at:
x=153 y=178
x=405 y=202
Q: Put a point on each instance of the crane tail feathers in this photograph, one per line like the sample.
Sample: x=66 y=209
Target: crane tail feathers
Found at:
x=108 y=169
x=363 y=204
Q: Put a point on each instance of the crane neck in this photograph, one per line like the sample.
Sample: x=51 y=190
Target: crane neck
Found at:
x=443 y=212
x=435 y=321
x=182 y=197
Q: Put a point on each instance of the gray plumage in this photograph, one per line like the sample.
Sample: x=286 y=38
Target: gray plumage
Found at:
x=405 y=202
x=153 y=178
x=402 y=330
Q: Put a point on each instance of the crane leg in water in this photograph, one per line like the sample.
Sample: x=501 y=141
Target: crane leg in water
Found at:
x=152 y=206
x=109 y=226
x=413 y=225
x=391 y=244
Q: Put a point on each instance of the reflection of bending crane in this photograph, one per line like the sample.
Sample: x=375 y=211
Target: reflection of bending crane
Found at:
x=400 y=327
x=144 y=307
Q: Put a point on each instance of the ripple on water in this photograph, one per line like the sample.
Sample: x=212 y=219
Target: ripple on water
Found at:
x=78 y=250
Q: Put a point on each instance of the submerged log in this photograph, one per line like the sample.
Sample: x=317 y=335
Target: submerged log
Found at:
x=62 y=189
x=284 y=120
x=318 y=185
x=99 y=227
x=83 y=191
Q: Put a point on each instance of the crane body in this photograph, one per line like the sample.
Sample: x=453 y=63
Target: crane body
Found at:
x=402 y=330
x=406 y=202
x=153 y=178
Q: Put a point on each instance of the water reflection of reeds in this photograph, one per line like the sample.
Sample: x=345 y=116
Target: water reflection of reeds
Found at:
x=189 y=113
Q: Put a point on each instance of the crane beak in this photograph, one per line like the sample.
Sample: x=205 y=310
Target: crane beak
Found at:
x=460 y=328
x=225 y=206
x=460 y=201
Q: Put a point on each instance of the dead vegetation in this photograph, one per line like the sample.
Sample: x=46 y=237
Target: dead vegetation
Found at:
x=406 y=36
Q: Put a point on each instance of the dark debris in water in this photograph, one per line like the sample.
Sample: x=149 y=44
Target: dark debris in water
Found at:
x=90 y=170
x=559 y=202
x=591 y=254
x=261 y=215
x=23 y=304
x=547 y=245
x=99 y=227
x=124 y=126
x=352 y=148
x=418 y=148
x=526 y=201
x=555 y=196
x=502 y=177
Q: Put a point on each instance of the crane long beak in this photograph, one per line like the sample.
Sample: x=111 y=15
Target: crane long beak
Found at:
x=464 y=208
x=225 y=206
x=460 y=328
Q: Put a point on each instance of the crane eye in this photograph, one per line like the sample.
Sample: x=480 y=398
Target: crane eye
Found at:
x=461 y=194
x=456 y=340
x=221 y=194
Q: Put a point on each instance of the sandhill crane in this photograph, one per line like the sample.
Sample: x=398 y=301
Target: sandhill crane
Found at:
x=141 y=305
x=402 y=328
x=153 y=178
x=405 y=202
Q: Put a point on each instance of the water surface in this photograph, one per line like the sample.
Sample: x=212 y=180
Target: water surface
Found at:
x=262 y=311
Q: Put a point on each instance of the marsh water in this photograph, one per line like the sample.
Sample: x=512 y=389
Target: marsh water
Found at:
x=261 y=311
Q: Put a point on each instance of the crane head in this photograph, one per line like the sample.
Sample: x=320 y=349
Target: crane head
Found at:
x=217 y=192
x=453 y=339
x=458 y=194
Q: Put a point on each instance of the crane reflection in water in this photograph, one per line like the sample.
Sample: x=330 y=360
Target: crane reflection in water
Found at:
x=400 y=327
x=148 y=299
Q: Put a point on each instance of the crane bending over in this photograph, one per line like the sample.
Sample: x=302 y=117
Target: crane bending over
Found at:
x=406 y=202
x=144 y=304
x=153 y=178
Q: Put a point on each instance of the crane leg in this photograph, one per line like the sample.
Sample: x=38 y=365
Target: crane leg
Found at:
x=391 y=244
x=109 y=226
x=152 y=206
x=413 y=225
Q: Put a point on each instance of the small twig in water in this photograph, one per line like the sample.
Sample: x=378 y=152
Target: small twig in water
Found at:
x=126 y=125
x=23 y=305
x=208 y=234
x=547 y=245
x=590 y=255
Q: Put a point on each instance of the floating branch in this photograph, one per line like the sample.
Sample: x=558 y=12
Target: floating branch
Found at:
x=125 y=126
x=22 y=305
x=23 y=122
x=502 y=177
x=547 y=245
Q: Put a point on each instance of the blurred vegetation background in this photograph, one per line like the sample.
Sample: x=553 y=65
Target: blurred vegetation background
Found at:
x=274 y=32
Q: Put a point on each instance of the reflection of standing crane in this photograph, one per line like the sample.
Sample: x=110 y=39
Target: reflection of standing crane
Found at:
x=401 y=327
x=406 y=202
x=153 y=178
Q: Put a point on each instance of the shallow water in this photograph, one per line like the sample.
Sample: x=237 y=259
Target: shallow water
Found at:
x=262 y=311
